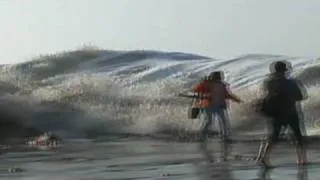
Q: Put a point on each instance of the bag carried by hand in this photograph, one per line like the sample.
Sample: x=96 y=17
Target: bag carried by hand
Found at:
x=194 y=112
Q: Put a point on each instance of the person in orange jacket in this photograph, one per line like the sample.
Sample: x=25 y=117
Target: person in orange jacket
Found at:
x=216 y=93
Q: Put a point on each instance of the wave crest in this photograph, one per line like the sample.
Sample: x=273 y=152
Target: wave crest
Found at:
x=93 y=91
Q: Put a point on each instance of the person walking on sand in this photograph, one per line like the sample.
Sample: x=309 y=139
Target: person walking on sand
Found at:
x=280 y=105
x=217 y=94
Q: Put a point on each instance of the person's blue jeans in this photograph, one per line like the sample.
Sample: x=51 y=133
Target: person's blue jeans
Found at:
x=216 y=112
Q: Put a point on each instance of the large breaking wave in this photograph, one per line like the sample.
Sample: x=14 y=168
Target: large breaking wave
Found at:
x=91 y=91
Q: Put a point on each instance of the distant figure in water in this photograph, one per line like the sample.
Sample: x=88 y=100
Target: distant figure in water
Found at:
x=46 y=139
x=216 y=93
x=280 y=104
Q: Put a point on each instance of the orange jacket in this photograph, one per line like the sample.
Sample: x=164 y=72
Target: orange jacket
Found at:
x=202 y=90
x=207 y=89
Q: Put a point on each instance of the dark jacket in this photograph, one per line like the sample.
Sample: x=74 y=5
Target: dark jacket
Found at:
x=282 y=93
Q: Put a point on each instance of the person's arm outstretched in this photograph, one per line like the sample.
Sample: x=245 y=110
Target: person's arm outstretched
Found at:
x=231 y=95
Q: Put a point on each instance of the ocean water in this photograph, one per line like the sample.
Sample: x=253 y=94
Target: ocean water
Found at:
x=121 y=118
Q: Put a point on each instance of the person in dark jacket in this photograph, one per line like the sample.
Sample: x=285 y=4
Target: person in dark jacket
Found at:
x=282 y=95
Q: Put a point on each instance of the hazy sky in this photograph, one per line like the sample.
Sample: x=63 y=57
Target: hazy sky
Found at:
x=216 y=28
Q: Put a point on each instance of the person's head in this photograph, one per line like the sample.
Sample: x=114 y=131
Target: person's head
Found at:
x=280 y=67
x=216 y=76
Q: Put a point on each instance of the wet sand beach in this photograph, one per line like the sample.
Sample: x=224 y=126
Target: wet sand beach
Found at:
x=126 y=158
